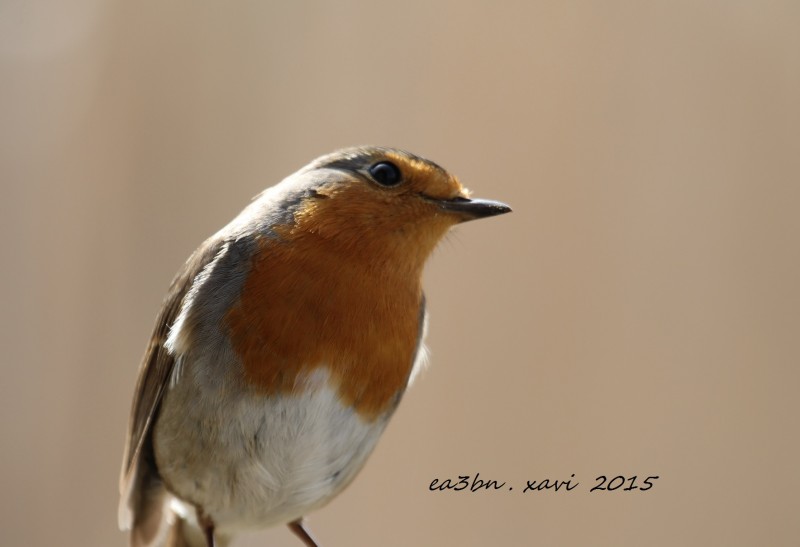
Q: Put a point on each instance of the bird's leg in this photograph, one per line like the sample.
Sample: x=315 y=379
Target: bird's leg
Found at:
x=208 y=528
x=302 y=532
x=209 y=533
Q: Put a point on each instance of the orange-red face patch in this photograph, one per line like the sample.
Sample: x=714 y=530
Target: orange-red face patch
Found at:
x=341 y=287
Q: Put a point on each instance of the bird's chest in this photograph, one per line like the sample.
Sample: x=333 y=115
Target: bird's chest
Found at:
x=298 y=310
x=278 y=413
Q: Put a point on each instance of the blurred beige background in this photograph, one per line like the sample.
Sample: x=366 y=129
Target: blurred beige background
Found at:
x=638 y=313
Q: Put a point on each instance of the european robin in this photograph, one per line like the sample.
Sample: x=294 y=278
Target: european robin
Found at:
x=283 y=346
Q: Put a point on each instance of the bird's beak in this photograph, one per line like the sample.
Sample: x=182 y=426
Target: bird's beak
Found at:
x=471 y=209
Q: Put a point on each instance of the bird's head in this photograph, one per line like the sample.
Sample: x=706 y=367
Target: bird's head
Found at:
x=383 y=203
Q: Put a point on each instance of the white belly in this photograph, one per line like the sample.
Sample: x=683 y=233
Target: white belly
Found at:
x=252 y=462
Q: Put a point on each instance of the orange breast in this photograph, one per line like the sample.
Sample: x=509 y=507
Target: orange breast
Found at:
x=304 y=305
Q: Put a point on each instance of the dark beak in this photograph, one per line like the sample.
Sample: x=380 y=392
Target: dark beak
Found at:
x=470 y=209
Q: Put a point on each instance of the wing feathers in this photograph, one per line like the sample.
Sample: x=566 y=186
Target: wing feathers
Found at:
x=139 y=479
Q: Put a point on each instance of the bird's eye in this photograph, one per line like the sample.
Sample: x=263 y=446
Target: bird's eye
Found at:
x=386 y=174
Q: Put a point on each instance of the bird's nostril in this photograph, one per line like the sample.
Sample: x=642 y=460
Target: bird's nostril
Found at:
x=315 y=194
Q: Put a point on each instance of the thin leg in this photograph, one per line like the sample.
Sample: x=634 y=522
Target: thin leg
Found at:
x=208 y=529
x=302 y=532
x=209 y=533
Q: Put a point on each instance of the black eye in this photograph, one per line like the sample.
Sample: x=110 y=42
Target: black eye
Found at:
x=385 y=173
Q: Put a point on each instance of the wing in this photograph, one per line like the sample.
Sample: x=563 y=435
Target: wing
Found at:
x=140 y=484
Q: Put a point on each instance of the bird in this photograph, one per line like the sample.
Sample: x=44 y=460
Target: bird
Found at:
x=283 y=346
